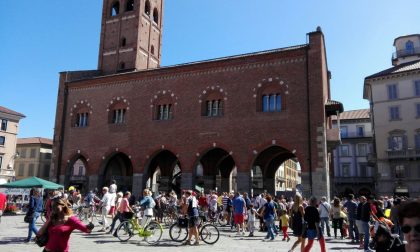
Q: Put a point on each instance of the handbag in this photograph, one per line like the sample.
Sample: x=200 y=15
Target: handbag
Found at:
x=29 y=216
x=42 y=240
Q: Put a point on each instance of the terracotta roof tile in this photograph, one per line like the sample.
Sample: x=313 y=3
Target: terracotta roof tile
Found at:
x=353 y=114
x=34 y=140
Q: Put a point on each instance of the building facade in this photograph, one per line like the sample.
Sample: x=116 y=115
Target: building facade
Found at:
x=8 y=135
x=209 y=124
x=352 y=171
x=34 y=157
x=394 y=95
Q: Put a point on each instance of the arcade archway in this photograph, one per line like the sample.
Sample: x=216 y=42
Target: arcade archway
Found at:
x=164 y=173
x=76 y=173
x=215 y=170
x=264 y=172
x=118 y=167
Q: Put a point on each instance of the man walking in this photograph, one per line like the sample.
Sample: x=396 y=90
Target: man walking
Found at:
x=365 y=218
x=239 y=208
x=324 y=214
x=351 y=207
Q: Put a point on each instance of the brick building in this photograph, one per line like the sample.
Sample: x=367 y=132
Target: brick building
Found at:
x=191 y=124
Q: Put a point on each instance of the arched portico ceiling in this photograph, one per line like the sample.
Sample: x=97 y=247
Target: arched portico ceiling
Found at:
x=118 y=163
x=165 y=160
x=271 y=158
x=215 y=160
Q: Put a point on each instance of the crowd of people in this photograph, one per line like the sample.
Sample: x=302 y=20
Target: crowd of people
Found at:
x=380 y=224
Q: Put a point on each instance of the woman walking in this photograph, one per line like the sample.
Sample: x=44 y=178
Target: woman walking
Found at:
x=298 y=212
x=312 y=218
x=35 y=207
x=337 y=218
x=60 y=226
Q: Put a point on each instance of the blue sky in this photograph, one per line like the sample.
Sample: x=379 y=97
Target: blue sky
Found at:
x=41 y=38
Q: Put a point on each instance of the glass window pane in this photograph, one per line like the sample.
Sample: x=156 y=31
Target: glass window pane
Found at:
x=272 y=103
x=278 y=103
x=265 y=103
x=215 y=107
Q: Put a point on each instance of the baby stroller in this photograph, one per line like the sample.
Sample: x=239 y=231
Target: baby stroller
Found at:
x=383 y=240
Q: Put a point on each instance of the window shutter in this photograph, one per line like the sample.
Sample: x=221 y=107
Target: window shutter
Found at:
x=404 y=142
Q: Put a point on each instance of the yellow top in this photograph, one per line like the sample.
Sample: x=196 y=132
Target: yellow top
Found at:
x=284 y=220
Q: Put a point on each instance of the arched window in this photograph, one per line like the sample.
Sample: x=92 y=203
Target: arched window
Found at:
x=164 y=112
x=409 y=47
x=115 y=9
x=271 y=103
x=152 y=50
x=129 y=6
x=214 y=107
x=147 y=8
x=118 y=116
x=82 y=120
x=155 y=16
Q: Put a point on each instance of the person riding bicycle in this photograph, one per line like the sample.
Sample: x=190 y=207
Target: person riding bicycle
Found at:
x=148 y=203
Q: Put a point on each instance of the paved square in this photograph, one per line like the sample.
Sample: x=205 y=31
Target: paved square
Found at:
x=13 y=231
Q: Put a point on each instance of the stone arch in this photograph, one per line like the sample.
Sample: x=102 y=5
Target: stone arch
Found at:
x=217 y=165
x=268 y=87
x=77 y=171
x=166 y=164
x=265 y=165
x=117 y=166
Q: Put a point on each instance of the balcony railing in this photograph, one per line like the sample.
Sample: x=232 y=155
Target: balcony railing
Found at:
x=406 y=153
x=405 y=53
x=355 y=135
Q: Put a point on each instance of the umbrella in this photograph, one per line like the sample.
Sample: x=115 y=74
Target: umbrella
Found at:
x=32 y=182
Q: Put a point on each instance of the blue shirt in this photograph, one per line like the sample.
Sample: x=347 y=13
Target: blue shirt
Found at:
x=351 y=209
x=269 y=210
x=238 y=204
x=35 y=204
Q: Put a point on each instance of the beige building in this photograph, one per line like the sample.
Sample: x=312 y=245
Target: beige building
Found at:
x=34 y=157
x=394 y=95
x=8 y=134
x=288 y=176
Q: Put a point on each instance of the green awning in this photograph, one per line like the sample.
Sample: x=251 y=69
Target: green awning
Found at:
x=32 y=182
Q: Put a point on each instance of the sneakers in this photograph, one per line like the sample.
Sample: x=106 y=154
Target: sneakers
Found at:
x=283 y=239
x=251 y=235
x=288 y=239
x=196 y=243
x=243 y=233
x=27 y=240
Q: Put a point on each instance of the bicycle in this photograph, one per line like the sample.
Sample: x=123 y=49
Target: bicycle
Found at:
x=208 y=233
x=217 y=216
x=151 y=231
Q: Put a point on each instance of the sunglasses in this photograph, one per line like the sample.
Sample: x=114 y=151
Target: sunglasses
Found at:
x=407 y=229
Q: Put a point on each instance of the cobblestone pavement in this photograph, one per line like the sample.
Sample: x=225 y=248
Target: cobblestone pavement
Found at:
x=13 y=231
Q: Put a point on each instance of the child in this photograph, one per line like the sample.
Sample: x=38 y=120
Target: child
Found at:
x=251 y=219
x=284 y=218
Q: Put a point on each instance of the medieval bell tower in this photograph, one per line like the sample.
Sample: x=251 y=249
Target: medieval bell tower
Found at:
x=131 y=35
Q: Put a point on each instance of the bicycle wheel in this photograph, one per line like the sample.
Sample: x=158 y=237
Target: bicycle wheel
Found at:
x=178 y=233
x=125 y=230
x=209 y=234
x=153 y=232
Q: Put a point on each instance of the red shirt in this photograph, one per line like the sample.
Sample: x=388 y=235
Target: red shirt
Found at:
x=59 y=235
x=3 y=201
x=202 y=201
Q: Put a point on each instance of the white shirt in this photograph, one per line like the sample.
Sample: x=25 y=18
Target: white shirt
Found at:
x=113 y=188
x=324 y=210
x=251 y=214
x=106 y=200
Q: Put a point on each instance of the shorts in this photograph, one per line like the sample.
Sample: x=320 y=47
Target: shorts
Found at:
x=193 y=221
x=311 y=234
x=238 y=218
x=359 y=225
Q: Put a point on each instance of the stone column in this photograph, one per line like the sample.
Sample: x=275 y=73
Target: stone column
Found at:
x=186 y=180
x=243 y=182
x=92 y=182
x=137 y=184
x=62 y=180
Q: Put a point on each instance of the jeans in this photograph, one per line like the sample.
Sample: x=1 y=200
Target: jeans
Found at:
x=114 y=220
x=325 y=221
x=32 y=227
x=269 y=224
x=367 y=234
x=354 y=233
